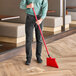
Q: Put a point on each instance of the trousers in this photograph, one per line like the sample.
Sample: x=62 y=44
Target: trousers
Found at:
x=30 y=24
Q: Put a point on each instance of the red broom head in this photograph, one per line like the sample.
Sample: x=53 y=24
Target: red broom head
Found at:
x=52 y=62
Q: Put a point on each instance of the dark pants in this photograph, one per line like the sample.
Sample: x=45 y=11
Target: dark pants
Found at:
x=30 y=24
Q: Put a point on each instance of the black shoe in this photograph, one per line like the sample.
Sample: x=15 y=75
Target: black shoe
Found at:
x=39 y=60
x=28 y=62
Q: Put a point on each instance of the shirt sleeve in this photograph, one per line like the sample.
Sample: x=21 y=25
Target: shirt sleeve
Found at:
x=23 y=4
x=44 y=8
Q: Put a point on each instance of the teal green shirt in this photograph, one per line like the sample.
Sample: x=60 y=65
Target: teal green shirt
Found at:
x=40 y=6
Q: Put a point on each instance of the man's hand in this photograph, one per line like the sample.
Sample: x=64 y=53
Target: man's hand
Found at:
x=38 y=22
x=31 y=5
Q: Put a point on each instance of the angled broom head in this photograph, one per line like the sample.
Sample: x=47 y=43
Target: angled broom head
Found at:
x=52 y=62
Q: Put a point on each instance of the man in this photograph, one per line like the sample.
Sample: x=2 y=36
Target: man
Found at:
x=41 y=7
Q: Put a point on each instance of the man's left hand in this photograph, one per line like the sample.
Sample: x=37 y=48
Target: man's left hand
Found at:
x=38 y=22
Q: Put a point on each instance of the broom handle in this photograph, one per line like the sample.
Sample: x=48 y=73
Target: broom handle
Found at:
x=41 y=34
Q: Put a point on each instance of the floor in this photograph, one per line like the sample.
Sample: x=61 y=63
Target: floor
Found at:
x=64 y=50
x=6 y=46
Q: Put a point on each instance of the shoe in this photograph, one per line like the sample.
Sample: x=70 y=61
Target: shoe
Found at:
x=28 y=62
x=39 y=60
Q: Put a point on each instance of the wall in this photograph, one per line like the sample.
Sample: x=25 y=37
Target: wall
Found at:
x=72 y=12
x=71 y=2
x=11 y=7
x=56 y=5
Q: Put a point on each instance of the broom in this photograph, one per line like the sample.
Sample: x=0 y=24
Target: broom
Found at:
x=50 y=61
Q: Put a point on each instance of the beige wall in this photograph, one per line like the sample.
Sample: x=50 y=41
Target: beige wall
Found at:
x=11 y=7
x=57 y=6
x=71 y=2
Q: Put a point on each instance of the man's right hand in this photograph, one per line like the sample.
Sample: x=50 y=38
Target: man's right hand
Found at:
x=31 y=5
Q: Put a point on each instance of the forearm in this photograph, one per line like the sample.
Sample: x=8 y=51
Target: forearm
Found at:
x=27 y=6
x=44 y=9
x=31 y=5
x=41 y=19
x=23 y=4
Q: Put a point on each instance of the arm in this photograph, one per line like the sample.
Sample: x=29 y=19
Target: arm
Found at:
x=23 y=4
x=44 y=8
x=31 y=5
x=44 y=11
